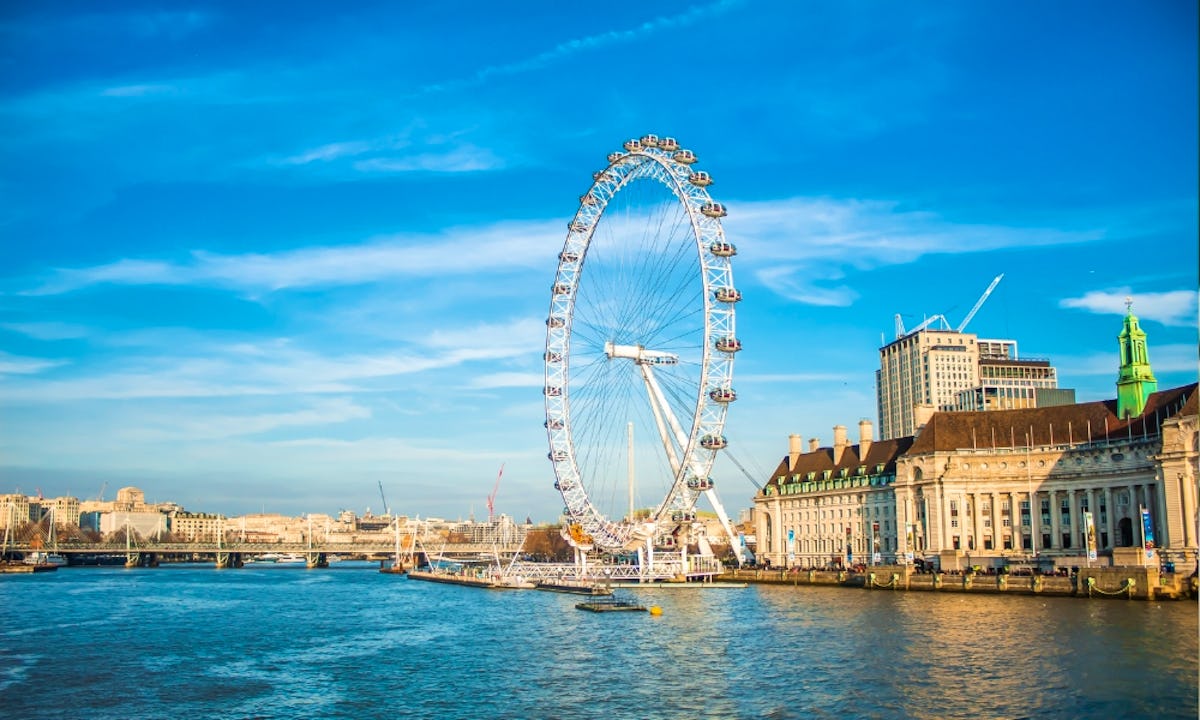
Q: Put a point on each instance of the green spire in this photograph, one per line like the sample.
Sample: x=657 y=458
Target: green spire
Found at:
x=1135 y=381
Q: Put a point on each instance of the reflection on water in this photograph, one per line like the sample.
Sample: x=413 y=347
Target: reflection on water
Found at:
x=353 y=643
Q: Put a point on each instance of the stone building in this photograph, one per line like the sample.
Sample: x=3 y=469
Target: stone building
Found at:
x=1105 y=482
x=830 y=506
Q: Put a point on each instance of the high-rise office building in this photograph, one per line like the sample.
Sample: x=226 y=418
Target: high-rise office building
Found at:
x=930 y=370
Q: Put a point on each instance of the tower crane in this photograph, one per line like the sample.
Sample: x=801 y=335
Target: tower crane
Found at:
x=386 y=510
x=979 y=303
x=491 y=500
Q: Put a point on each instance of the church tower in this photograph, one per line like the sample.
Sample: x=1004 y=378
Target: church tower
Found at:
x=1135 y=381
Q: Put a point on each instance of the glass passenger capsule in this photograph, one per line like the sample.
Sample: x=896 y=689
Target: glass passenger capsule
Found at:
x=633 y=145
x=649 y=141
x=562 y=289
x=552 y=391
x=723 y=395
x=713 y=210
x=728 y=344
x=569 y=257
x=557 y=455
x=613 y=157
x=700 y=484
x=682 y=155
x=555 y=321
x=722 y=249
x=668 y=144
x=550 y=356
x=728 y=294
x=700 y=179
x=713 y=442
x=555 y=424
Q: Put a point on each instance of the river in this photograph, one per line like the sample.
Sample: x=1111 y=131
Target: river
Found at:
x=349 y=642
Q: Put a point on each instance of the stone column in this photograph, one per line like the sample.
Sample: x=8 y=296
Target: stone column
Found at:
x=997 y=524
x=1189 y=509
x=1055 y=520
x=1075 y=525
x=1014 y=510
x=1161 y=525
x=976 y=523
x=1109 y=511
x=1035 y=521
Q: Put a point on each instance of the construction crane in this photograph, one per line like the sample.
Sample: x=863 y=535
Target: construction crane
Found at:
x=386 y=510
x=979 y=303
x=491 y=500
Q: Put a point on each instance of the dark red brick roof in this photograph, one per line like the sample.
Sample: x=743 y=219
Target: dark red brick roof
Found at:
x=1049 y=425
x=880 y=452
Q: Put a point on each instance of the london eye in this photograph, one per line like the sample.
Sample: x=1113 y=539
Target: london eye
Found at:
x=640 y=347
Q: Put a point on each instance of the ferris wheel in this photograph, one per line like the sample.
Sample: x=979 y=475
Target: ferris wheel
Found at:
x=640 y=344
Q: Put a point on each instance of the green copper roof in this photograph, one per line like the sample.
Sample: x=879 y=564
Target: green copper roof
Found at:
x=1135 y=381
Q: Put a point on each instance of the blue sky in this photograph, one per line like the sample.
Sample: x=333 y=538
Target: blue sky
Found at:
x=268 y=255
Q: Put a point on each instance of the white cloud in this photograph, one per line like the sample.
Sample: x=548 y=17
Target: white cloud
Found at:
x=47 y=330
x=332 y=151
x=589 y=42
x=461 y=251
x=466 y=158
x=198 y=425
x=16 y=365
x=139 y=90
x=1175 y=307
x=802 y=247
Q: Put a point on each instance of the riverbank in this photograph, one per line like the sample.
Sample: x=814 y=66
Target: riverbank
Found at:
x=1134 y=583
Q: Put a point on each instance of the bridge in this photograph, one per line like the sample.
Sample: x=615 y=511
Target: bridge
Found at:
x=235 y=554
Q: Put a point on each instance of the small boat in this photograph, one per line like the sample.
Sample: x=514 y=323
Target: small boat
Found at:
x=291 y=558
x=38 y=557
x=574 y=587
x=267 y=558
x=610 y=603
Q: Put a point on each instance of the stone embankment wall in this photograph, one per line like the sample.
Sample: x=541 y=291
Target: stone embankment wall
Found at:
x=1136 y=583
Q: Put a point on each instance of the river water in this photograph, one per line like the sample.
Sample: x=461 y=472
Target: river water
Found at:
x=349 y=642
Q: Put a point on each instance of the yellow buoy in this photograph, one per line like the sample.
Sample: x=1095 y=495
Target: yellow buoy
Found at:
x=655 y=610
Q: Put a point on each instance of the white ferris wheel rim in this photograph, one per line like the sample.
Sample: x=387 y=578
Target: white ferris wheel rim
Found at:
x=671 y=168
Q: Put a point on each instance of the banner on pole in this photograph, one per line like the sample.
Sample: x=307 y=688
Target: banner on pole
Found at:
x=1147 y=532
x=1090 y=529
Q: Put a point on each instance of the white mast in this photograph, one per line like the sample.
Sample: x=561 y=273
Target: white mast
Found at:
x=631 y=517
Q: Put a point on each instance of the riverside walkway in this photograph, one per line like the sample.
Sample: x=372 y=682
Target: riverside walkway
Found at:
x=1134 y=583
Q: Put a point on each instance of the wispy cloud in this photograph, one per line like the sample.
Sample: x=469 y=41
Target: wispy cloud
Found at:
x=139 y=90
x=461 y=159
x=1175 y=307
x=508 y=245
x=197 y=425
x=47 y=330
x=16 y=365
x=587 y=43
x=331 y=151
x=803 y=247
x=269 y=367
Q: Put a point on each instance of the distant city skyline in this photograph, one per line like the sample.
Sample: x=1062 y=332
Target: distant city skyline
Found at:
x=266 y=257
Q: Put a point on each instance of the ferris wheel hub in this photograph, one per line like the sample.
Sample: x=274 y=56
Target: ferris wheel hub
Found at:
x=639 y=354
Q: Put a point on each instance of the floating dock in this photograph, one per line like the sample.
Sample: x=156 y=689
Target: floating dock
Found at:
x=610 y=604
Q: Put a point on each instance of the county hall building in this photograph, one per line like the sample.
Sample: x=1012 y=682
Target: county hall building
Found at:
x=1096 y=482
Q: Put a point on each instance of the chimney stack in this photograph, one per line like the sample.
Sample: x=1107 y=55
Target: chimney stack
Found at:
x=839 y=443
x=866 y=434
x=795 y=447
x=814 y=444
